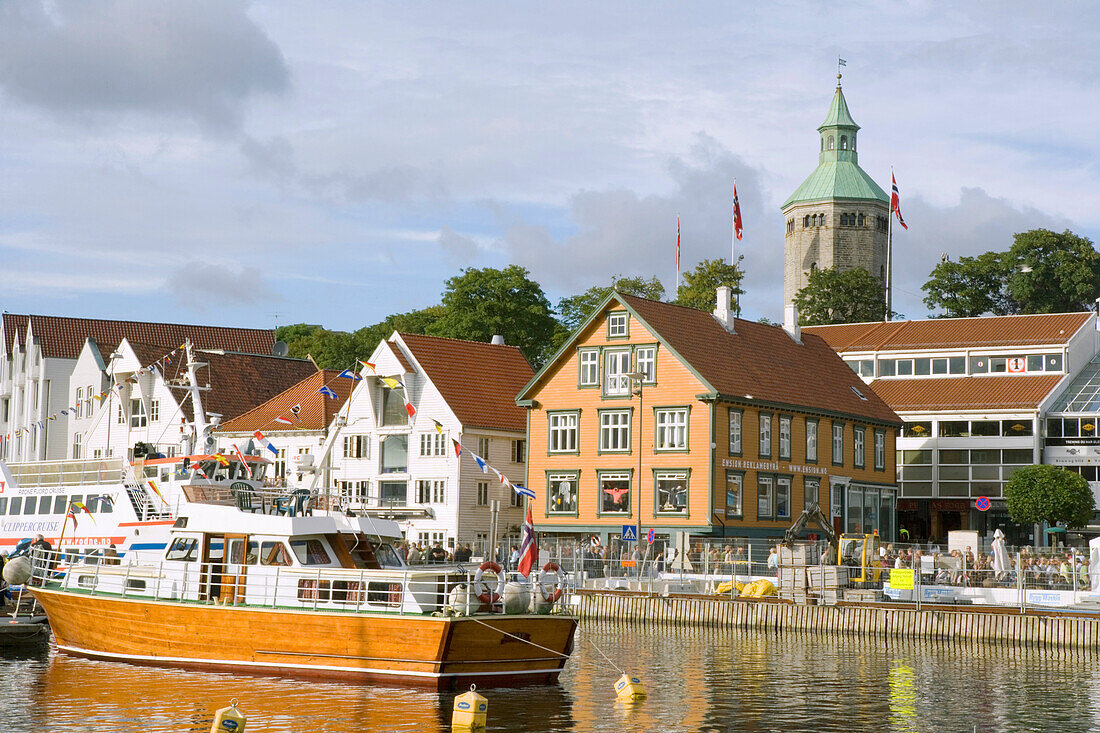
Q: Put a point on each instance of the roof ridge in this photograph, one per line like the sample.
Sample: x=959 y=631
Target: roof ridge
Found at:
x=145 y=323
x=403 y=334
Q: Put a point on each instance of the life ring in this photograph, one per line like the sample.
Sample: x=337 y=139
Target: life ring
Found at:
x=481 y=588
x=552 y=595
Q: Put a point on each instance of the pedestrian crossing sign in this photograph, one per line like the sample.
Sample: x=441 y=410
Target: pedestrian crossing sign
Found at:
x=630 y=533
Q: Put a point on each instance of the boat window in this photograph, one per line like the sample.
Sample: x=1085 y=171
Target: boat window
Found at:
x=16 y=504
x=274 y=553
x=310 y=552
x=237 y=553
x=258 y=471
x=183 y=549
x=99 y=505
x=387 y=557
x=3 y=505
x=91 y=557
x=86 y=581
x=133 y=584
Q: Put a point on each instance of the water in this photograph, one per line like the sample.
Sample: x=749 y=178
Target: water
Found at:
x=703 y=680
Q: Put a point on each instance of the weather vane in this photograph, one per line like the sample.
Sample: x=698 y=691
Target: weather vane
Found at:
x=839 y=62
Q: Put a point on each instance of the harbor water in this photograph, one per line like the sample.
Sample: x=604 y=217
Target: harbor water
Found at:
x=697 y=679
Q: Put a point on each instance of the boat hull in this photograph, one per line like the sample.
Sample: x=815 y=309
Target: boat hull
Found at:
x=439 y=652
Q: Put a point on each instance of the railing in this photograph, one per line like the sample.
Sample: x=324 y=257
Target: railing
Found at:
x=404 y=590
x=68 y=473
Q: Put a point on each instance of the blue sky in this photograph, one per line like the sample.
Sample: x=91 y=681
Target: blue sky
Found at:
x=215 y=161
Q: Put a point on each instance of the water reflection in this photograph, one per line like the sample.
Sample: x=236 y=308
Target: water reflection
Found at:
x=696 y=679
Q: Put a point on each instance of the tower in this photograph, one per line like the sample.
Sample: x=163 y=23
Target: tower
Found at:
x=838 y=217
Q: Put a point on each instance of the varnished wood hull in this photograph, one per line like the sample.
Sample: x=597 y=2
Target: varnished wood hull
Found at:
x=493 y=650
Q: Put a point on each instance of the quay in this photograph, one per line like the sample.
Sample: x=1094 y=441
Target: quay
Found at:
x=1031 y=629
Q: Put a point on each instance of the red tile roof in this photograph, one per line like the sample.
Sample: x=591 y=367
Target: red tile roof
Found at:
x=479 y=381
x=762 y=361
x=400 y=356
x=63 y=337
x=946 y=333
x=1010 y=392
x=317 y=409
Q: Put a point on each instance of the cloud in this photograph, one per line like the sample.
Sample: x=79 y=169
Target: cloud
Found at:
x=203 y=287
x=457 y=246
x=197 y=58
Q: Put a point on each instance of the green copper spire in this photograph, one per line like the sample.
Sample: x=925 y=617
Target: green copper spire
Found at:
x=838 y=115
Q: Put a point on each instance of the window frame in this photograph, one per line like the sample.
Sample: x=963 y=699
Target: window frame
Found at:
x=685 y=473
x=740 y=475
x=560 y=475
x=788 y=481
x=608 y=374
x=806 y=482
x=582 y=366
x=787 y=420
x=760 y=422
x=612 y=322
x=601 y=474
x=859 y=446
x=673 y=409
x=601 y=448
x=880 y=450
x=816 y=434
x=761 y=478
x=575 y=430
x=481 y=498
x=652 y=348
x=834 y=444
x=740 y=432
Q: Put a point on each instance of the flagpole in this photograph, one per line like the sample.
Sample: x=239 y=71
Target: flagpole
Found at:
x=676 y=282
x=889 y=249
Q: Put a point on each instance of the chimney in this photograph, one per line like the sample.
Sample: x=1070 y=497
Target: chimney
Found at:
x=790 y=322
x=498 y=340
x=722 y=312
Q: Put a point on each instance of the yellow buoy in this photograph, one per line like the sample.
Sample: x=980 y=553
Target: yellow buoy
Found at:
x=628 y=687
x=470 y=710
x=228 y=719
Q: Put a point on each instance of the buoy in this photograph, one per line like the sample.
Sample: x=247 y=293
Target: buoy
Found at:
x=629 y=687
x=18 y=571
x=470 y=711
x=228 y=719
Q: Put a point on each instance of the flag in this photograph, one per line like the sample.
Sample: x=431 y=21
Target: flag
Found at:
x=529 y=548
x=841 y=62
x=895 y=201
x=458 y=447
x=221 y=459
x=480 y=462
x=677 y=243
x=153 y=486
x=295 y=410
x=283 y=420
x=367 y=364
x=438 y=426
x=409 y=406
x=390 y=382
x=327 y=391
x=736 y=214
x=69 y=515
x=265 y=443
x=524 y=491
x=197 y=468
x=80 y=505
x=349 y=374
x=241 y=456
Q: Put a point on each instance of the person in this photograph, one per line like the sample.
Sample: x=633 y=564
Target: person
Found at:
x=463 y=553
x=438 y=554
x=773 y=562
x=111 y=556
x=513 y=559
x=413 y=557
x=5 y=591
x=45 y=560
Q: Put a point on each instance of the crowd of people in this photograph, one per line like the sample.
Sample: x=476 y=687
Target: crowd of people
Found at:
x=1054 y=570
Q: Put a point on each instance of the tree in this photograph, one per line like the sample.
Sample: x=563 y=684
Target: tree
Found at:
x=418 y=321
x=574 y=310
x=1042 y=272
x=480 y=303
x=1049 y=494
x=700 y=288
x=849 y=296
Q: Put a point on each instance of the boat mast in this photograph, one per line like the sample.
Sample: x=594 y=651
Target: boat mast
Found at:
x=200 y=424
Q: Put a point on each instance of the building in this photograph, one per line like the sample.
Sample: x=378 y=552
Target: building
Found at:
x=700 y=424
x=38 y=355
x=839 y=217
x=297 y=423
x=405 y=467
x=974 y=393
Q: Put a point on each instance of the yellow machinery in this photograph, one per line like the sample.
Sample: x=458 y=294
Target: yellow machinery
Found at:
x=860 y=552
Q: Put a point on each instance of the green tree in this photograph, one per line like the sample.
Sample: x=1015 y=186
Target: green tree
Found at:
x=700 y=287
x=330 y=349
x=573 y=311
x=1049 y=494
x=418 y=321
x=832 y=296
x=970 y=287
x=479 y=303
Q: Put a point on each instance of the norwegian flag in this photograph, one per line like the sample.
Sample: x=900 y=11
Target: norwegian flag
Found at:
x=529 y=548
x=677 y=243
x=736 y=214
x=895 y=201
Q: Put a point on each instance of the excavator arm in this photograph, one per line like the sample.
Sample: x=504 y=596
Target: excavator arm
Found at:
x=813 y=514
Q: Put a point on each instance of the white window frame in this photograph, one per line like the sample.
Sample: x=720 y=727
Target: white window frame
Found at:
x=738 y=479
x=616 y=476
x=482 y=493
x=645 y=360
x=859 y=447
x=670 y=475
x=519 y=450
x=562 y=432
x=811 y=440
x=589 y=368
x=880 y=450
x=433 y=444
x=79 y=411
x=838 y=444
x=616 y=365
x=154 y=410
x=783 y=486
x=618 y=324
x=615 y=431
x=785 y=437
x=556 y=478
x=671 y=426
x=765 y=447
x=735 y=431
x=765 y=500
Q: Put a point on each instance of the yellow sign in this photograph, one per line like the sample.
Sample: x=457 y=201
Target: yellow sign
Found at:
x=901 y=579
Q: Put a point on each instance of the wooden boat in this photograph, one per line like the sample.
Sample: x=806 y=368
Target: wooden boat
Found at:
x=324 y=595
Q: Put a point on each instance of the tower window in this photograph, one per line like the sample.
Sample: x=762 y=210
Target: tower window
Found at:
x=843 y=142
x=806 y=221
x=861 y=219
x=843 y=220
x=829 y=143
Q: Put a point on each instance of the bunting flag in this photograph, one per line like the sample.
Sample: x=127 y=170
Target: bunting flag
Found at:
x=438 y=426
x=80 y=505
x=367 y=364
x=265 y=443
x=524 y=491
x=198 y=469
x=327 y=391
x=69 y=515
x=153 y=486
x=480 y=462
x=283 y=420
x=528 y=549
x=221 y=459
x=390 y=382
x=295 y=410
x=349 y=374
x=409 y=406
x=241 y=456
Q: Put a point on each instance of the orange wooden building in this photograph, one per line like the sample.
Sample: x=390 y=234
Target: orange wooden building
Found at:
x=700 y=423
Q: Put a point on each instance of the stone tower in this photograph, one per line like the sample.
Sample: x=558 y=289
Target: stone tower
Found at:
x=838 y=217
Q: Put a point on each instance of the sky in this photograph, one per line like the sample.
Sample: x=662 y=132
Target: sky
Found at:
x=253 y=164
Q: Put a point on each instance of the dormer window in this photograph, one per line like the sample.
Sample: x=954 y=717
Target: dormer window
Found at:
x=829 y=143
x=843 y=142
x=617 y=325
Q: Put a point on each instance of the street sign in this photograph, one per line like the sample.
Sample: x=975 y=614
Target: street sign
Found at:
x=982 y=504
x=650 y=535
x=630 y=534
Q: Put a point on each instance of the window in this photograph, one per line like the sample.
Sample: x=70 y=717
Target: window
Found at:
x=562 y=492
x=519 y=451
x=914 y=472
x=590 y=368
x=616 y=366
x=860 y=435
x=880 y=450
x=783 y=497
x=274 y=553
x=431 y=491
x=829 y=143
x=672 y=426
x=514 y=499
x=88 y=401
x=280 y=464
x=811 y=441
x=811 y=491
x=76 y=445
x=734 y=482
x=919 y=429
x=735 y=432
x=395 y=454
x=121 y=414
x=614 y=493
x=357 y=446
x=563 y=432
x=617 y=325
x=393 y=408
x=785 y=437
x=310 y=552
x=483 y=448
x=838 y=443
x=183 y=549
x=764 y=487
x=614 y=431
x=79 y=407
x=154 y=410
x=432 y=444
x=765 y=435
x=843 y=142
x=645 y=358
x=393 y=493
x=672 y=491
x=483 y=493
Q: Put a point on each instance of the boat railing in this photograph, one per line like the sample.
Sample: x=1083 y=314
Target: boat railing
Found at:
x=440 y=590
x=68 y=473
x=254 y=498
